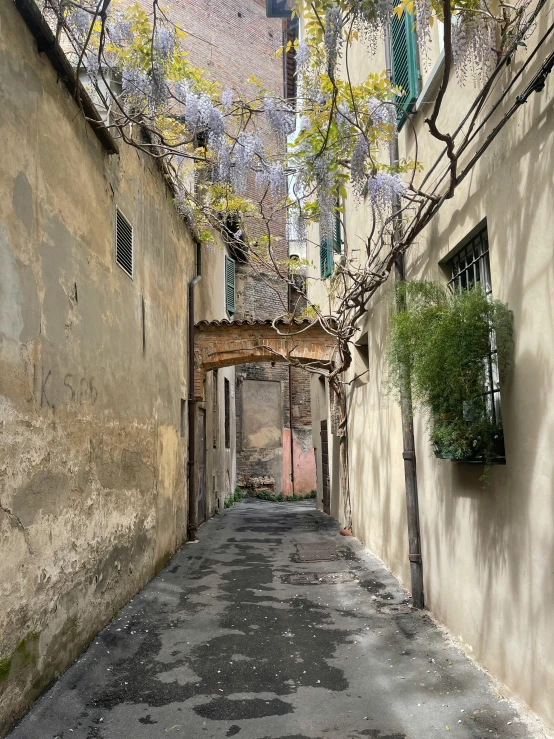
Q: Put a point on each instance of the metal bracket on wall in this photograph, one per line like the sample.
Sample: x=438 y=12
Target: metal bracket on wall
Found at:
x=415 y=558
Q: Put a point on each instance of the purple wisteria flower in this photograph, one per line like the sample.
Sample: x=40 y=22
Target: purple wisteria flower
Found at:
x=279 y=116
x=384 y=190
x=119 y=30
x=332 y=37
x=302 y=55
x=164 y=42
x=227 y=98
x=357 y=165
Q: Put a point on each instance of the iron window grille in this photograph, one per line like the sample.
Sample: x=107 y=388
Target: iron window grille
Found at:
x=123 y=243
x=470 y=267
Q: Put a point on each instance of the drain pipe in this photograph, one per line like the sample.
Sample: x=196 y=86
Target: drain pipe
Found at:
x=192 y=507
x=289 y=296
x=408 y=453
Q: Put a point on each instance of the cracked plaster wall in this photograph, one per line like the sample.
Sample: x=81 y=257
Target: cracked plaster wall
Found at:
x=93 y=496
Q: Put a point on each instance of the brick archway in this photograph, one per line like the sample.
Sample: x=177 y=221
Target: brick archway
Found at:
x=225 y=343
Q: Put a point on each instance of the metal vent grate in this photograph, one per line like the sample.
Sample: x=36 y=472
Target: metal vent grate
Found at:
x=123 y=243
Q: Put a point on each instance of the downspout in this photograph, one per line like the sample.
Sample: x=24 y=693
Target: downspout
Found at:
x=408 y=452
x=193 y=508
x=289 y=296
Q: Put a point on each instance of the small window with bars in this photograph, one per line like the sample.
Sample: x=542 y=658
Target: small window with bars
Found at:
x=123 y=243
x=470 y=268
x=405 y=73
x=230 y=285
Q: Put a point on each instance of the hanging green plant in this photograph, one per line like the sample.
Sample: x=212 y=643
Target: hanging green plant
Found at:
x=447 y=346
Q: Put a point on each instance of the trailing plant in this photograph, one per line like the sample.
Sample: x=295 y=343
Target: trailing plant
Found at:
x=281 y=498
x=440 y=343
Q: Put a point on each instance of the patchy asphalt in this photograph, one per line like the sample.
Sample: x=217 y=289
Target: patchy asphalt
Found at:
x=272 y=627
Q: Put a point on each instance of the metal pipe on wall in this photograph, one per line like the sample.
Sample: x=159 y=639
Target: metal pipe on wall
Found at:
x=408 y=441
x=192 y=501
x=289 y=296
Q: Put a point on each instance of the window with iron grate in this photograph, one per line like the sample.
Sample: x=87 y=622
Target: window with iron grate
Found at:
x=123 y=243
x=470 y=267
x=405 y=73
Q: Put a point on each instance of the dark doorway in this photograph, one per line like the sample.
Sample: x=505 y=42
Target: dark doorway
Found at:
x=325 y=468
x=201 y=480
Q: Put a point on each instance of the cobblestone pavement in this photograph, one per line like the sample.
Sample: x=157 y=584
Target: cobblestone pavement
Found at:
x=272 y=627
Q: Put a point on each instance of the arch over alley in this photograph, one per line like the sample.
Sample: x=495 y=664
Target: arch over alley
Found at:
x=226 y=343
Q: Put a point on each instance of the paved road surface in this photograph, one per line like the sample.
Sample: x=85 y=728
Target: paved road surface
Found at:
x=272 y=627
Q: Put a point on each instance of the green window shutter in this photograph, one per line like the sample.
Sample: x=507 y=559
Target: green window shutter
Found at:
x=230 y=284
x=325 y=258
x=405 y=73
x=337 y=238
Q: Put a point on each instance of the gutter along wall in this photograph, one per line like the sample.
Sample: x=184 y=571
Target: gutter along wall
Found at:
x=93 y=370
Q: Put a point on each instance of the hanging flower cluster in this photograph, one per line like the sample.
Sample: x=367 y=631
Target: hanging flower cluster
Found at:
x=385 y=190
x=473 y=45
x=333 y=36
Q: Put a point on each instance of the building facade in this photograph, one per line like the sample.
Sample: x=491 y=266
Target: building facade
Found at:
x=95 y=264
x=235 y=41
x=486 y=551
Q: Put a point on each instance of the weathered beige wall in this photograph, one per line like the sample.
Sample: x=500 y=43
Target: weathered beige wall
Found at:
x=92 y=461
x=487 y=553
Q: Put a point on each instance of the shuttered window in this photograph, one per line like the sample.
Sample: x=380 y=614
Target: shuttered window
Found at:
x=123 y=243
x=327 y=247
x=230 y=284
x=290 y=33
x=325 y=258
x=405 y=73
x=337 y=233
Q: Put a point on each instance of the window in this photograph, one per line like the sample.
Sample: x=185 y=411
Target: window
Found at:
x=204 y=173
x=327 y=247
x=290 y=33
x=123 y=243
x=227 y=401
x=325 y=258
x=235 y=238
x=230 y=285
x=470 y=267
x=215 y=408
x=183 y=417
x=278 y=8
x=405 y=73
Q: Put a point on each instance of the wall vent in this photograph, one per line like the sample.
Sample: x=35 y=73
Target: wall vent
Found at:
x=123 y=243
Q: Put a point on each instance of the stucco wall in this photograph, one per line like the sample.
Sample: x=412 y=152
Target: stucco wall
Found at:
x=487 y=552
x=93 y=367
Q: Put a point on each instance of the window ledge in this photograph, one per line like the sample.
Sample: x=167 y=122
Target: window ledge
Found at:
x=427 y=93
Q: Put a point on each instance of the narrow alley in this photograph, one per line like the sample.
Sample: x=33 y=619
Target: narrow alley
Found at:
x=272 y=626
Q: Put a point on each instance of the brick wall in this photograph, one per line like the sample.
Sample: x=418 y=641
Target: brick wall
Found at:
x=233 y=39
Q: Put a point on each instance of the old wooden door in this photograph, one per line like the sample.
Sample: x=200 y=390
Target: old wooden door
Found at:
x=201 y=480
x=325 y=468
